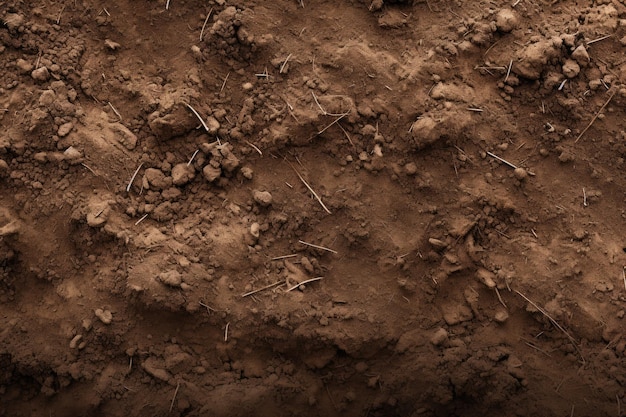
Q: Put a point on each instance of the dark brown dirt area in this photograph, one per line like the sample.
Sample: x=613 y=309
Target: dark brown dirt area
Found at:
x=312 y=208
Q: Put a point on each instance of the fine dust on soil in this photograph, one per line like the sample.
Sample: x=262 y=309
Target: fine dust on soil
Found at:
x=150 y=257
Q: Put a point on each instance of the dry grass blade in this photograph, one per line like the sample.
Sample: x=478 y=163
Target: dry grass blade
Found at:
x=317 y=197
x=114 y=110
x=554 y=323
x=198 y=116
x=504 y=161
x=335 y=121
x=267 y=287
x=317 y=246
x=282 y=67
x=204 y=24
x=253 y=146
x=174 y=399
x=278 y=258
x=595 y=117
x=304 y=282
x=193 y=156
x=224 y=83
x=132 y=179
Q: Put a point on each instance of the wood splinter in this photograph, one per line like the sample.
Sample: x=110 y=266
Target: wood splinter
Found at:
x=317 y=246
x=304 y=282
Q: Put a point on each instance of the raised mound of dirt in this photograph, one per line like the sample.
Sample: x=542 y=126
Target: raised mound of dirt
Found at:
x=291 y=208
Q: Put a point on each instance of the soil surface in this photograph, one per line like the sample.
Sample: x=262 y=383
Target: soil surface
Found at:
x=292 y=208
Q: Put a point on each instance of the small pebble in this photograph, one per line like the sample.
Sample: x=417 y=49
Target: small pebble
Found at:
x=263 y=198
x=105 y=316
x=520 y=173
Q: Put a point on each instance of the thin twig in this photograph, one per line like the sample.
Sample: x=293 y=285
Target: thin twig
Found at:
x=198 y=116
x=193 y=156
x=595 y=117
x=598 y=39
x=141 y=219
x=282 y=67
x=624 y=276
x=284 y=257
x=311 y=190
x=177 y=385
x=508 y=71
x=92 y=171
x=500 y=298
x=226 y=332
x=130 y=183
x=205 y=22
x=335 y=121
x=554 y=322
x=167 y=7
x=224 y=83
x=255 y=148
x=304 y=282
x=504 y=161
x=114 y=110
x=262 y=289
x=317 y=246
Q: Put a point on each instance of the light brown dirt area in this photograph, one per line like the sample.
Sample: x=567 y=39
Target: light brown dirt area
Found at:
x=312 y=208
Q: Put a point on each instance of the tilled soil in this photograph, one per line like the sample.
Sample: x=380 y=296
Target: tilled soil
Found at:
x=293 y=208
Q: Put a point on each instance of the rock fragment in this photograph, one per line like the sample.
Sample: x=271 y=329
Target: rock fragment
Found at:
x=153 y=367
x=171 y=278
x=40 y=74
x=262 y=198
x=506 y=20
x=439 y=337
x=105 y=316
x=211 y=173
x=182 y=174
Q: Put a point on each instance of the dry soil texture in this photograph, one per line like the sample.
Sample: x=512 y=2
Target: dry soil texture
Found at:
x=312 y=208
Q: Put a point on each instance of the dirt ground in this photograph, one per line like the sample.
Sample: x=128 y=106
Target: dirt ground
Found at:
x=293 y=208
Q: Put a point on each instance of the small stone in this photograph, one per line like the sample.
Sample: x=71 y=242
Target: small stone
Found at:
x=40 y=74
x=360 y=367
x=520 y=173
x=65 y=129
x=211 y=173
x=571 y=68
x=13 y=20
x=581 y=55
x=604 y=287
x=87 y=324
x=506 y=20
x=410 y=168
x=501 y=316
x=105 y=316
x=263 y=198
x=247 y=172
x=4 y=168
x=255 y=230
x=76 y=341
x=213 y=125
x=112 y=45
x=247 y=86
x=153 y=367
x=171 y=278
x=41 y=157
x=182 y=174
x=437 y=243
x=24 y=66
x=72 y=155
x=439 y=337
x=486 y=277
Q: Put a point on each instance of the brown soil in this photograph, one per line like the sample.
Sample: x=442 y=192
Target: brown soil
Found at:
x=150 y=257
